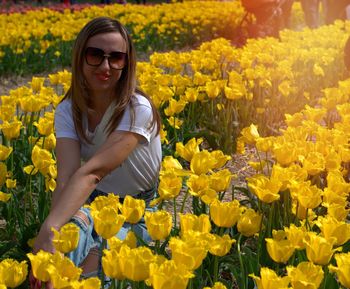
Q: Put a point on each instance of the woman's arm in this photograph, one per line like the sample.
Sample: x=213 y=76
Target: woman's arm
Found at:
x=80 y=185
x=68 y=162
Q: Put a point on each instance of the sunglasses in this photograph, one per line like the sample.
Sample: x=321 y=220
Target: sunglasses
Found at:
x=95 y=56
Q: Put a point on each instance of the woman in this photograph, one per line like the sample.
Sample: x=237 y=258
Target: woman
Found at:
x=105 y=121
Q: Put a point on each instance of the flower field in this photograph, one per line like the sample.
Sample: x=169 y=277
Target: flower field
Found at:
x=283 y=103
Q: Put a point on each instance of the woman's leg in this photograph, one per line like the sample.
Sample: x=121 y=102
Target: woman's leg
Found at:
x=86 y=255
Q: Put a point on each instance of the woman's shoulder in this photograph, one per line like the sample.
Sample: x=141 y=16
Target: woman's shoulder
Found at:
x=141 y=100
x=64 y=104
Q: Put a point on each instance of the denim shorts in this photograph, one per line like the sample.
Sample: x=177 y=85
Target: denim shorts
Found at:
x=88 y=238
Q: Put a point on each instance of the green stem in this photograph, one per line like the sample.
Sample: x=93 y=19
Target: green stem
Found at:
x=183 y=202
x=120 y=284
x=157 y=247
x=261 y=236
x=103 y=246
x=190 y=284
x=135 y=285
x=160 y=206
x=241 y=261
x=269 y=224
x=326 y=274
x=216 y=269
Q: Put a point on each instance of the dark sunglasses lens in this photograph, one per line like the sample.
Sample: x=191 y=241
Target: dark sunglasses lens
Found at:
x=94 y=56
x=117 y=59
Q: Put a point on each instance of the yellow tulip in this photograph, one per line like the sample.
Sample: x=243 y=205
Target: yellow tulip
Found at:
x=107 y=221
x=189 y=253
x=32 y=103
x=30 y=170
x=305 y=275
x=332 y=228
x=50 y=184
x=111 y=200
x=296 y=235
x=111 y=264
x=169 y=163
x=337 y=211
x=191 y=222
x=191 y=94
x=225 y=214
x=217 y=285
x=319 y=250
x=279 y=250
x=220 y=159
x=314 y=163
x=168 y=275
x=158 y=224
x=337 y=184
x=7 y=112
x=175 y=107
x=285 y=152
x=42 y=160
x=4 y=197
x=5 y=152
x=249 y=223
x=267 y=190
x=135 y=262
x=175 y=122
x=45 y=126
x=270 y=280
x=288 y=175
x=308 y=196
x=90 y=283
x=196 y=184
x=62 y=271
x=250 y=134
x=48 y=143
x=133 y=209
x=221 y=180
x=202 y=162
x=37 y=83
x=11 y=184
x=40 y=263
x=13 y=273
x=67 y=238
x=11 y=130
x=264 y=144
x=115 y=243
x=169 y=186
x=343 y=268
x=220 y=246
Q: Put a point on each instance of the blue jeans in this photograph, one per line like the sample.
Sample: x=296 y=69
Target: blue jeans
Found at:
x=88 y=238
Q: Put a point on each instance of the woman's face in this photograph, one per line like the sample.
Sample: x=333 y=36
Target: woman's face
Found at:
x=104 y=58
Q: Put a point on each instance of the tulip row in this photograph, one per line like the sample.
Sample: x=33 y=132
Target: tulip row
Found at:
x=222 y=89
x=303 y=188
x=40 y=40
x=303 y=180
x=295 y=208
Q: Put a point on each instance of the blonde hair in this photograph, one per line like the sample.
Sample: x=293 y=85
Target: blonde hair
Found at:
x=125 y=91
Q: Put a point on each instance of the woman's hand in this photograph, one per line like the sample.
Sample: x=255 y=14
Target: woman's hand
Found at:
x=42 y=242
x=44 y=239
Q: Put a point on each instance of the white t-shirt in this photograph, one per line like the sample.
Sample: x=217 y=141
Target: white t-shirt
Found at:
x=139 y=172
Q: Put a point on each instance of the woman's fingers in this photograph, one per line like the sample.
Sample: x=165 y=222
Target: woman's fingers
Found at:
x=34 y=283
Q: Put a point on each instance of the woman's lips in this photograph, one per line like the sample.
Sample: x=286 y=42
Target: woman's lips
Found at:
x=103 y=77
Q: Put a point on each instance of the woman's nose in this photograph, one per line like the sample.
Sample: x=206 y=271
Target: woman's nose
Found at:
x=105 y=63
